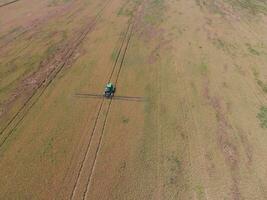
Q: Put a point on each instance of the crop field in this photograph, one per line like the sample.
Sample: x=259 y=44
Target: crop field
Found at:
x=189 y=117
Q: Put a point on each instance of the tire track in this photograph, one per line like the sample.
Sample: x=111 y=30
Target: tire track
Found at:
x=129 y=29
x=98 y=113
x=8 y=3
x=119 y=49
x=106 y=116
x=41 y=88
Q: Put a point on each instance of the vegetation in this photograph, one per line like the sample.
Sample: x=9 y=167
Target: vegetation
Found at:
x=200 y=192
x=203 y=67
x=154 y=15
x=262 y=116
x=251 y=6
x=252 y=50
x=57 y=2
x=262 y=85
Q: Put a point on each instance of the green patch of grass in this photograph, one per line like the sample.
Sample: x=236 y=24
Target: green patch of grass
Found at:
x=150 y=19
x=125 y=120
x=251 y=6
x=255 y=72
x=203 y=68
x=57 y=2
x=252 y=50
x=225 y=46
x=154 y=14
x=174 y=159
x=262 y=116
x=48 y=146
x=209 y=5
x=262 y=85
x=125 y=12
x=127 y=8
x=238 y=68
x=200 y=192
x=120 y=12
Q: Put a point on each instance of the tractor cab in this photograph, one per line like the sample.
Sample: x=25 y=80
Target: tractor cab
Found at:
x=109 y=90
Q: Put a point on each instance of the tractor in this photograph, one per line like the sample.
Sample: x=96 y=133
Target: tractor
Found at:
x=109 y=90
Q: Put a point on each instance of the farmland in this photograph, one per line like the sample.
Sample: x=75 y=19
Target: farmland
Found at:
x=189 y=120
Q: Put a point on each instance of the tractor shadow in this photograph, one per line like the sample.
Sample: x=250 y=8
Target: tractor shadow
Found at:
x=119 y=98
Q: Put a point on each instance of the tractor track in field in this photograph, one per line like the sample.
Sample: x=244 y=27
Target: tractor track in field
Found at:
x=106 y=116
x=126 y=39
x=41 y=88
x=9 y=3
x=119 y=49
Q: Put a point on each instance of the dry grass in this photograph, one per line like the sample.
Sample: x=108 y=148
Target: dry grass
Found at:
x=199 y=134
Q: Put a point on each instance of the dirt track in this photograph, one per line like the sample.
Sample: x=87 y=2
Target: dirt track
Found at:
x=6 y=3
x=189 y=120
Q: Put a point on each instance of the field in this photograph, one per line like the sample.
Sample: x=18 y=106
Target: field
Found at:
x=189 y=120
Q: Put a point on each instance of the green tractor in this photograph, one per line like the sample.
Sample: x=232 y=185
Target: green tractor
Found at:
x=109 y=90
